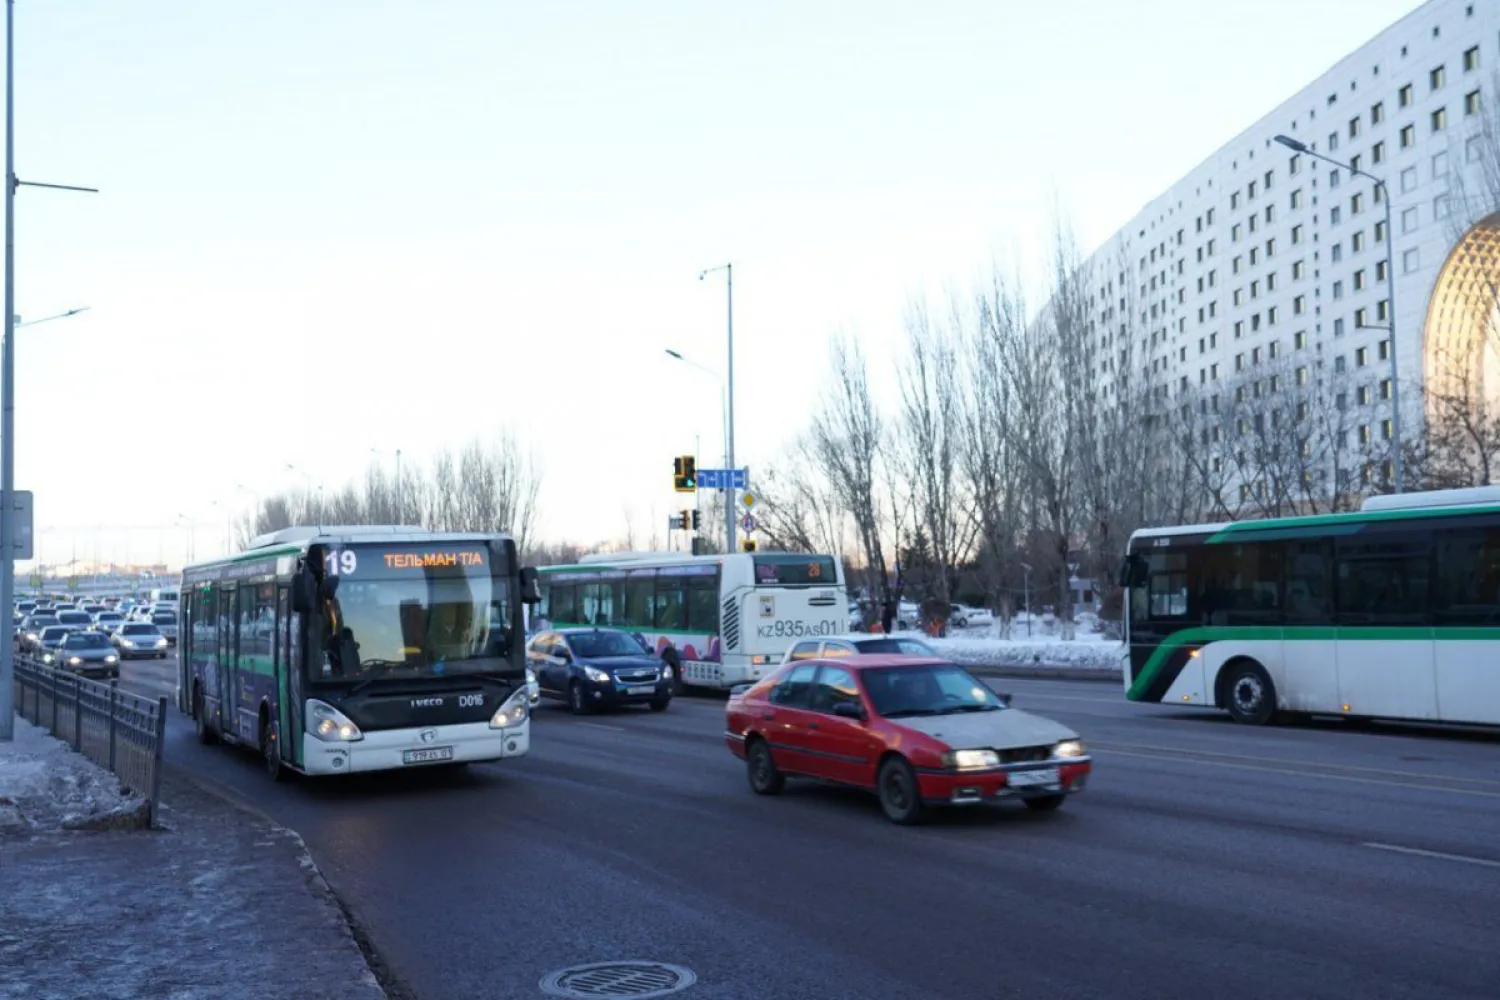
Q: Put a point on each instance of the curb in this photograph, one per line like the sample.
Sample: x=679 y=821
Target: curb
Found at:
x=310 y=871
x=1109 y=675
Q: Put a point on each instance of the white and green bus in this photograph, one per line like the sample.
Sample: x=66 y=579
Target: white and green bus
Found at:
x=333 y=650
x=1389 y=612
x=716 y=620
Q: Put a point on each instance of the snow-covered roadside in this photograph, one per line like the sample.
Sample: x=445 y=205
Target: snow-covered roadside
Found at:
x=45 y=786
x=1089 y=651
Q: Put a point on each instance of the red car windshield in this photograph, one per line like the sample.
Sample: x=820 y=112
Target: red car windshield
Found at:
x=927 y=689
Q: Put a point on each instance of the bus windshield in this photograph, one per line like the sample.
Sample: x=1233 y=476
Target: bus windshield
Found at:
x=419 y=611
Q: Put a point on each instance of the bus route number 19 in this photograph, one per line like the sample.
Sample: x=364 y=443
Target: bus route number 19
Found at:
x=340 y=563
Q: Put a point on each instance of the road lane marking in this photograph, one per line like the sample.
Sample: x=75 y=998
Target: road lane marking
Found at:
x=1472 y=792
x=1107 y=745
x=1442 y=856
x=602 y=725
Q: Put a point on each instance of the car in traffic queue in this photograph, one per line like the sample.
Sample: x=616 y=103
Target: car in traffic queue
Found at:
x=856 y=643
x=30 y=638
x=593 y=668
x=166 y=623
x=88 y=653
x=107 y=621
x=918 y=732
x=75 y=618
x=48 y=641
x=139 y=639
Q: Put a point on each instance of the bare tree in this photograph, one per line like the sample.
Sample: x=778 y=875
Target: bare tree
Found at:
x=848 y=436
x=798 y=510
x=930 y=439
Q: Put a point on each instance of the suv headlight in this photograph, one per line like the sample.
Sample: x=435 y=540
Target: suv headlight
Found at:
x=971 y=760
x=328 y=724
x=1068 y=748
x=512 y=713
x=596 y=675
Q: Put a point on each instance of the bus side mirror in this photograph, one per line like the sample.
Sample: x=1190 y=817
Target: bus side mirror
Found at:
x=304 y=592
x=530 y=593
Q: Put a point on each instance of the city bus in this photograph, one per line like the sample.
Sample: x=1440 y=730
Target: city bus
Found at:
x=715 y=620
x=336 y=650
x=1388 y=612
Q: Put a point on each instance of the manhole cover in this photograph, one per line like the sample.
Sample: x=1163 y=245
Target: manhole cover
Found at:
x=618 y=979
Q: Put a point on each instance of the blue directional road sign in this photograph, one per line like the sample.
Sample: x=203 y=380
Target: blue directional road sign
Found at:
x=723 y=479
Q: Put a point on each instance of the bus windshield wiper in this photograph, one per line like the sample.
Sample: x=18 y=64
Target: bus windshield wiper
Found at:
x=383 y=668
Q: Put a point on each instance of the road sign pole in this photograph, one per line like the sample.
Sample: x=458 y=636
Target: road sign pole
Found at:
x=8 y=389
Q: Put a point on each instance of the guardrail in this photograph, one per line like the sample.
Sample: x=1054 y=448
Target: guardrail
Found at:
x=115 y=729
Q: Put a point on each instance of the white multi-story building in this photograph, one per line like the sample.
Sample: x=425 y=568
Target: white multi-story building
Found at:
x=1264 y=254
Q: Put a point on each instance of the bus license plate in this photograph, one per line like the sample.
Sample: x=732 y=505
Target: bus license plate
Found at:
x=426 y=755
x=1032 y=779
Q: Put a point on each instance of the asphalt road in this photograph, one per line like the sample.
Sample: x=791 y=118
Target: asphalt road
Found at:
x=1205 y=860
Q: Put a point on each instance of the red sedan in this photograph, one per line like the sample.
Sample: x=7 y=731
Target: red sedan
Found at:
x=918 y=732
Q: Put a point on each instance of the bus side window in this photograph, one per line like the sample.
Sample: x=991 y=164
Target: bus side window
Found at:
x=1168 y=586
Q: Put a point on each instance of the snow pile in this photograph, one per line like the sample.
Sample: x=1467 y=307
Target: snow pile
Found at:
x=45 y=786
x=1085 y=653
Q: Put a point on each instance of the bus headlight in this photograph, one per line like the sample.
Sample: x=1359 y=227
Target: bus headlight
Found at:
x=1068 y=748
x=328 y=724
x=512 y=713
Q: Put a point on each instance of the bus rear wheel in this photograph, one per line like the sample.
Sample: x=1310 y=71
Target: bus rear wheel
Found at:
x=206 y=734
x=1249 y=694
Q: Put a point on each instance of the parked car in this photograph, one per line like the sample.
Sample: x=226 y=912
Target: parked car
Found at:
x=849 y=645
x=918 y=732
x=139 y=639
x=598 y=667
x=88 y=653
x=964 y=616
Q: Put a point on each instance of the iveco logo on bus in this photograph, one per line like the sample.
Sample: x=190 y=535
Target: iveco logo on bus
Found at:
x=427 y=703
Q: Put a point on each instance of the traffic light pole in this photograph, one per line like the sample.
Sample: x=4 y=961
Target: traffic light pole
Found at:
x=729 y=417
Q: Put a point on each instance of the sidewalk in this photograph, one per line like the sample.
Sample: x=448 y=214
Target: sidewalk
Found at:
x=219 y=904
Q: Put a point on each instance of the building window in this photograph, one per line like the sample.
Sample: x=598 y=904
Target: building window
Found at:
x=1385 y=432
x=1271 y=315
x=1377 y=113
x=1380 y=269
x=1356 y=203
x=1234 y=200
x=1271 y=282
x=1383 y=350
x=1254 y=256
x=1377 y=152
x=1234 y=265
x=1380 y=231
x=1338 y=327
x=1361 y=318
x=1275 y=349
x=1362 y=395
x=1408 y=136
x=1354 y=124
x=1239 y=296
x=1437 y=78
x=1404 y=96
x=1213 y=371
x=1440 y=119
x=1410 y=261
x=1299 y=341
x=1385 y=388
x=1255 y=355
x=1338 y=290
x=1255 y=289
x=1299 y=270
x=1296 y=199
x=1270 y=213
x=1208 y=217
x=1336 y=253
x=1471 y=103
x=1239 y=362
x=1239 y=329
x=1357 y=243
x=1294 y=164
x=1471 y=59
x=1270 y=175
x=1359 y=280
x=1408 y=219
x=1296 y=234
x=1408 y=179
x=1383 y=310
x=1234 y=233
x=1335 y=215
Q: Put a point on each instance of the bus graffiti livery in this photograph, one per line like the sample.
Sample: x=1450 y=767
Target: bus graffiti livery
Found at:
x=716 y=620
x=1390 y=612
x=334 y=650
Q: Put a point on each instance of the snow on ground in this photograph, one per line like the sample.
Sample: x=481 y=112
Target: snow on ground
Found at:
x=989 y=647
x=46 y=786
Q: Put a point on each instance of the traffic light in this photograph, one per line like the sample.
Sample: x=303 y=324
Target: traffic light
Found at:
x=683 y=520
x=697 y=520
x=685 y=474
x=748 y=545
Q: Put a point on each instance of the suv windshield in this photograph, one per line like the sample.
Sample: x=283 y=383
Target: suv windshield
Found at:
x=591 y=644
x=928 y=689
x=85 y=640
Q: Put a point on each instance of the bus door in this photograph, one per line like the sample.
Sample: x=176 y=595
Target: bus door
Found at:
x=288 y=692
x=225 y=665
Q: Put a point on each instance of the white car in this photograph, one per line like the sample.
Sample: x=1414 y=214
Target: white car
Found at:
x=856 y=644
x=963 y=616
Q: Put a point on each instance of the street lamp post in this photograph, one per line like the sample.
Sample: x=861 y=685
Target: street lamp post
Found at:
x=8 y=380
x=729 y=494
x=1397 y=466
x=399 y=513
x=723 y=427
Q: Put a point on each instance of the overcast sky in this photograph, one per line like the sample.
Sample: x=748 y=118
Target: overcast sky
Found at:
x=332 y=225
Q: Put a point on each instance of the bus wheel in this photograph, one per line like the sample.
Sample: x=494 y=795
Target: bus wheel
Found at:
x=1249 y=694
x=206 y=735
x=269 y=750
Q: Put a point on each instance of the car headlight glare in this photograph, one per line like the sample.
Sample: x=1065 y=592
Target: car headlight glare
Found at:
x=111 y=658
x=327 y=723
x=512 y=713
x=1068 y=748
x=74 y=661
x=596 y=675
x=971 y=760
x=161 y=642
x=530 y=676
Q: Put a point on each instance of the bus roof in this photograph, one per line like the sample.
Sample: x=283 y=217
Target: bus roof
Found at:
x=615 y=560
x=1393 y=507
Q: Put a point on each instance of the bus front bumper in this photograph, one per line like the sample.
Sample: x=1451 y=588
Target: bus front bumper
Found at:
x=402 y=749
